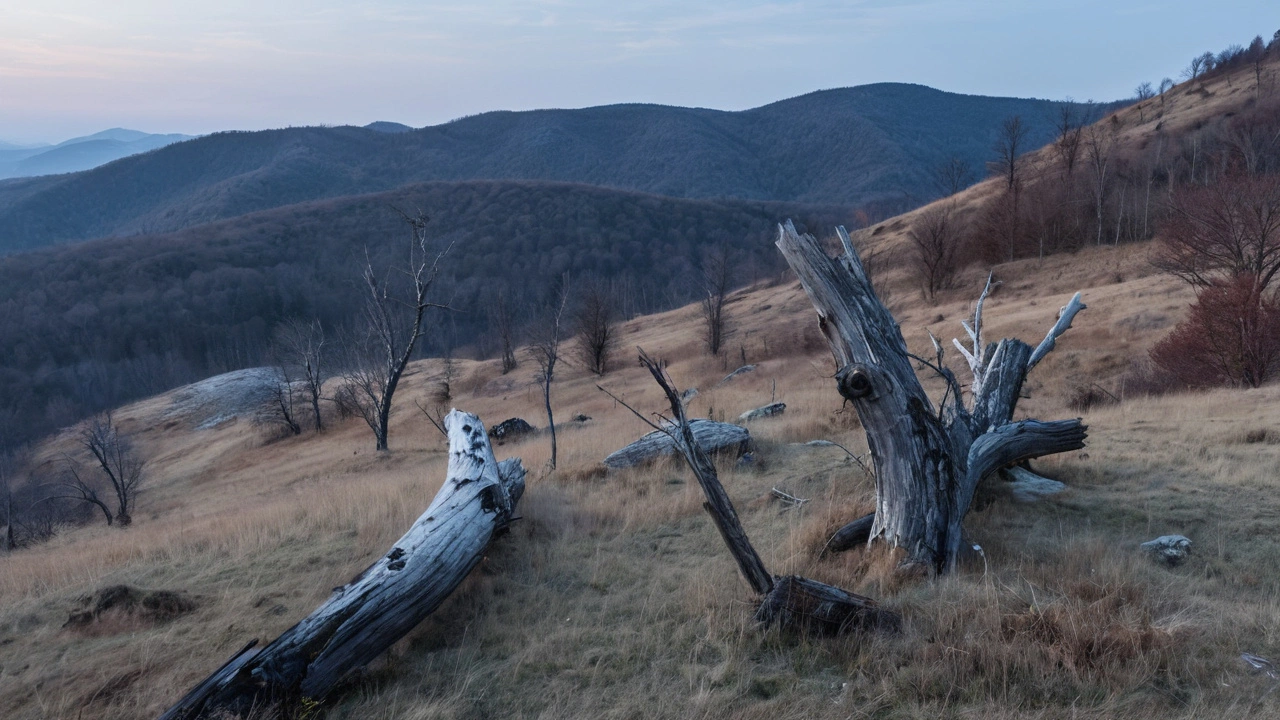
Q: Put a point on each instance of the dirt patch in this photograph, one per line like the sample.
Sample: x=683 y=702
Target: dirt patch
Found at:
x=119 y=607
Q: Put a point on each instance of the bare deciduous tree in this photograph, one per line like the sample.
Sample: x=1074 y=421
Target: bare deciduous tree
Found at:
x=717 y=280
x=1223 y=231
x=1144 y=91
x=953 y=175
x=937 y=242
x=545 y=349
x=119 y=462
x=597 y=331
x=1098 y=142
x=440 y=399
x=1009 y=147
x=1067 y=146
x=502 y=321
x=303 y=343
x=393 y=325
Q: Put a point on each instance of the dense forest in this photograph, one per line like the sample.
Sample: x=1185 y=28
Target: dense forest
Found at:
x=874 y=144
x=92 y=325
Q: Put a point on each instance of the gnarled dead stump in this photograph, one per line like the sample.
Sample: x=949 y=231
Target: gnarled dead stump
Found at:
x=928 y=460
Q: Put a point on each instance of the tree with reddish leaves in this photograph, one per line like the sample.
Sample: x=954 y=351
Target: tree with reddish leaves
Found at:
x=1231 y=337
x=1224 y=240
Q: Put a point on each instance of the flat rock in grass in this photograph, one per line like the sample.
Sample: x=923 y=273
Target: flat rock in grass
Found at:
x=711 y=437
x=1030 y=487
x=1169 y=549
x=740 y=371
x=510 y=429
x=763 y=412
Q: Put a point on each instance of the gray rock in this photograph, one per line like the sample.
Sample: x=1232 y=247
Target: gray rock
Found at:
x=740 y=371
x=510 y=429
x=1169 y=549
x=689 y=394
x=1030 y=487
x=763 y=412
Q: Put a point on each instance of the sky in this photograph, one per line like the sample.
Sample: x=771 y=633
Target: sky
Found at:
x=73 y=68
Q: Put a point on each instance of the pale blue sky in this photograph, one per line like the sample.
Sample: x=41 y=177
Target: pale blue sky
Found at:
x=69 y=68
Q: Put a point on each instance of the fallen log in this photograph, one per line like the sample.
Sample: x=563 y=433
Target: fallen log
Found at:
x=791 y=601
x=363 y=618
x=711 y=437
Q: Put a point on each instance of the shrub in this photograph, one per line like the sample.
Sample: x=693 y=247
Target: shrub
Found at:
x=1231 y=337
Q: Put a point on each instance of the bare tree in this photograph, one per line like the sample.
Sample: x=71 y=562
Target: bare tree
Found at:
x=393 y=325
x=1067 y=146
x=440 y=399
x=937 y=242
x=303 y=343
x=1009 y=147
x=1197 y=66
x=8 y=468
x=717 y=281
x=1224 y=231
x=119 y=462
x=545 y=349
x=1098 y=143
x=501 y=320
x=597 y=331
x=952 y=175
x=1144 y=91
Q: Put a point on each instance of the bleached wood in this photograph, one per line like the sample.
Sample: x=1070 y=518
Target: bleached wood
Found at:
x=711 y=437
x=1065 y=316
x=363 y=618
x=927 y=461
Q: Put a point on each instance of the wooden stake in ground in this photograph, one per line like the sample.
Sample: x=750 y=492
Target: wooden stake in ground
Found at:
x=367 y=615
x=791 y=601
x=928 y=461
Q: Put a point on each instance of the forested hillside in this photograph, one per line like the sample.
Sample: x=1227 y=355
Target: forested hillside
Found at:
x=91 y=325
x=874 y=144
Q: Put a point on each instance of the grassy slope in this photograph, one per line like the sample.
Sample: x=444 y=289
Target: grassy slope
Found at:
x=615 y=598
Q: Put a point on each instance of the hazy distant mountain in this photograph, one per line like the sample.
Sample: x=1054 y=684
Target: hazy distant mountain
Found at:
x=81 y=153
x=853 y=146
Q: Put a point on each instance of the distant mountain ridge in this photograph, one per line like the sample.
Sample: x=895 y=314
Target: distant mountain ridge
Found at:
x=852 y=146
x=79 y=153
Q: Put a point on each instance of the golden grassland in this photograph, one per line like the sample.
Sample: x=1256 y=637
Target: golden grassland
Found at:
x=614 y=597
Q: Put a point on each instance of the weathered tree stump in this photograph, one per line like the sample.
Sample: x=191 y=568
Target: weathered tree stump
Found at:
x=711 y=436
x=928 y=460
x=363 y=618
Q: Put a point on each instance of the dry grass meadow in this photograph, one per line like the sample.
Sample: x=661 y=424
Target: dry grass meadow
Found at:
x=614 y=597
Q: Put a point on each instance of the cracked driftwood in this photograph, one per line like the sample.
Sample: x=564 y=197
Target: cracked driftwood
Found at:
x=711 y=436
x=366 y=616
x=928 y=460
x=791 y=601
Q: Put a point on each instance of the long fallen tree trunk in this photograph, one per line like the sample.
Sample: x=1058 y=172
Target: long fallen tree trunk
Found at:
x=928 y=461
x=379 y=606
x=790 y=601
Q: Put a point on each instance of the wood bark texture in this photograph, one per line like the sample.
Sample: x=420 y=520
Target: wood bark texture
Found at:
x=711 y=436
x=363 y=618
x=791 y=601
x=928 y=461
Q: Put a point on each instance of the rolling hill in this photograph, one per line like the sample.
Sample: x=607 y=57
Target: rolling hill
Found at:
x=81 y=153
x=874 y=144
x=90 y=325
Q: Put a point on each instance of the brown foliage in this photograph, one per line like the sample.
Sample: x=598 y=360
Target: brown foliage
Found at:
x=1231 y=337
